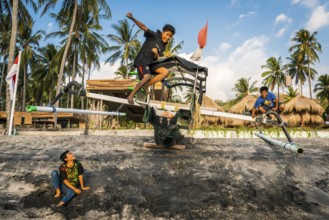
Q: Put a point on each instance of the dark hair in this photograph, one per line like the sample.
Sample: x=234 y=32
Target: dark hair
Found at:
x=63 y=156
x=263 y=88
x=169 y=27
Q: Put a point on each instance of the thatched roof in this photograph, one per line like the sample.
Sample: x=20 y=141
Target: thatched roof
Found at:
x=301 y=104
x=305 y=119
x=247 y=103
x=210 y=103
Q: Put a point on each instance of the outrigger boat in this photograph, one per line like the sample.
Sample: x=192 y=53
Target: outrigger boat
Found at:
x=172 y=120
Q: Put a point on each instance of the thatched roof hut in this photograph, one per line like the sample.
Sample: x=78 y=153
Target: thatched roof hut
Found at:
x=206 y=120
x=303 y=111
x=246 y=104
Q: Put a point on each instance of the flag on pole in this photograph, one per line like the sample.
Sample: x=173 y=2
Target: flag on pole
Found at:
x=11 y=78
x=202 y=41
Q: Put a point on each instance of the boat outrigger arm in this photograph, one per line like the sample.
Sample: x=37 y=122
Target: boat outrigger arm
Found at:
x=66 y=90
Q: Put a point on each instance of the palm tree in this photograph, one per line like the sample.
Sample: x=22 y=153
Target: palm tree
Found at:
x=171 y=49
x=290 y=94
x=274 y=75
x=5 y=32
x=297 y=69
x=322 y=89
x=126 y=44
x=307 y=48
x=28 y=42
x=48 y=59
x=67 y=11
x=18 y=15
x=244 y=88
x=12 y=46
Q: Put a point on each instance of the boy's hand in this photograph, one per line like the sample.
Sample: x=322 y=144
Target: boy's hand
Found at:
x=85 y=188
x=155 y=52
x=77 y=191
x=129 y=15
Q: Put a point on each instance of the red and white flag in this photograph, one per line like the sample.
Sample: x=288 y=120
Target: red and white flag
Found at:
x=202 y=41
x=11 y=78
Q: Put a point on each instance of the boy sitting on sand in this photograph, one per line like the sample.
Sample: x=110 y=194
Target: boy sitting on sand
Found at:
x=69 y=178
x=267 y=101
x=152 y=49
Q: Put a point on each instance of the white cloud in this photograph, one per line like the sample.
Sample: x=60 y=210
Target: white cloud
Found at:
x=224 y=47
x=281 y=32
x=50 y=27
x=106 y=71
x=318 y=19
x=306 y=3
x=245 y=61
x=282 y=18
x=234 y=3
x=246 y=15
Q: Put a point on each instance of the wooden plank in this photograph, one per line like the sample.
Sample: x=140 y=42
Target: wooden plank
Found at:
x=17 y=120
x=28 y=120
x=174 y=147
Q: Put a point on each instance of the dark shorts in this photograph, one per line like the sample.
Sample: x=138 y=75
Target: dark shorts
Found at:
x=143 y=70
x=269 y=108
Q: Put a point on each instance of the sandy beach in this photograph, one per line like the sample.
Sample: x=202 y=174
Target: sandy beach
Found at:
x=213 y=179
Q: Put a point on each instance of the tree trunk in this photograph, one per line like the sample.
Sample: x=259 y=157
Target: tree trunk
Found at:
x=300 y=88
x=24 y=90
x=2 y=77
x=83 y=84
x=73 y=73
x=66 y=50
x=309 y=79
x=11 y=53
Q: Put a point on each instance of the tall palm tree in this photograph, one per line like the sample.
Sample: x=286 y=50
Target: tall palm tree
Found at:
x=18 y=15
x=307 y=47
x=12 y=46
x=5 y=32
x=244 y=88
x=48 y=60
x=322 y=90
x=290 y=94
x=70 y=9
x=274 y=76
x=125 y=44
x=297 y=69
x=28 y=42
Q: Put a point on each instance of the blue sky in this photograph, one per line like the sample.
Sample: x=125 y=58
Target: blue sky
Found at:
x=242 y=34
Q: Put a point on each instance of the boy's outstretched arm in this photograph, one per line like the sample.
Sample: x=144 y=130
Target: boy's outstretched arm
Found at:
x=83 y=187
x=138 y=23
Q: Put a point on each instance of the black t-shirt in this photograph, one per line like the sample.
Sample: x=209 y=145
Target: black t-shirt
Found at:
x=71 y=173
x=145 y=55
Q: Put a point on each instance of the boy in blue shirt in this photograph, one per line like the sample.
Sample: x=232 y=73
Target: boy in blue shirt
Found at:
x=266 y=101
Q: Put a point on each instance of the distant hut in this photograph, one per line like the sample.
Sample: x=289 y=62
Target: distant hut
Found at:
x=245 y=105
x=209 y=103
x=303 y=111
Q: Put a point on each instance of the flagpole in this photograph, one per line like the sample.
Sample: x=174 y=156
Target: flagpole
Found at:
x=12 y=112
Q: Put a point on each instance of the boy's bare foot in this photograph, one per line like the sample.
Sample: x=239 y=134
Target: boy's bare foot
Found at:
x=130 y=100
x=60 y=204
x=58 y=193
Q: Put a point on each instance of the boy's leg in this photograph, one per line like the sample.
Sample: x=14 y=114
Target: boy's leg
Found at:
x=56 y=182
x=161 y=73
x=138 y=86
x=69 y=194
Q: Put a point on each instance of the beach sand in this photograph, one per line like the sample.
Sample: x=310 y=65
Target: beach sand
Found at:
x=213 y=179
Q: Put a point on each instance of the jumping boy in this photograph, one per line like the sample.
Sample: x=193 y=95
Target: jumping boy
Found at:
x=152 y=49
x=69 y=178
x=267 y=101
